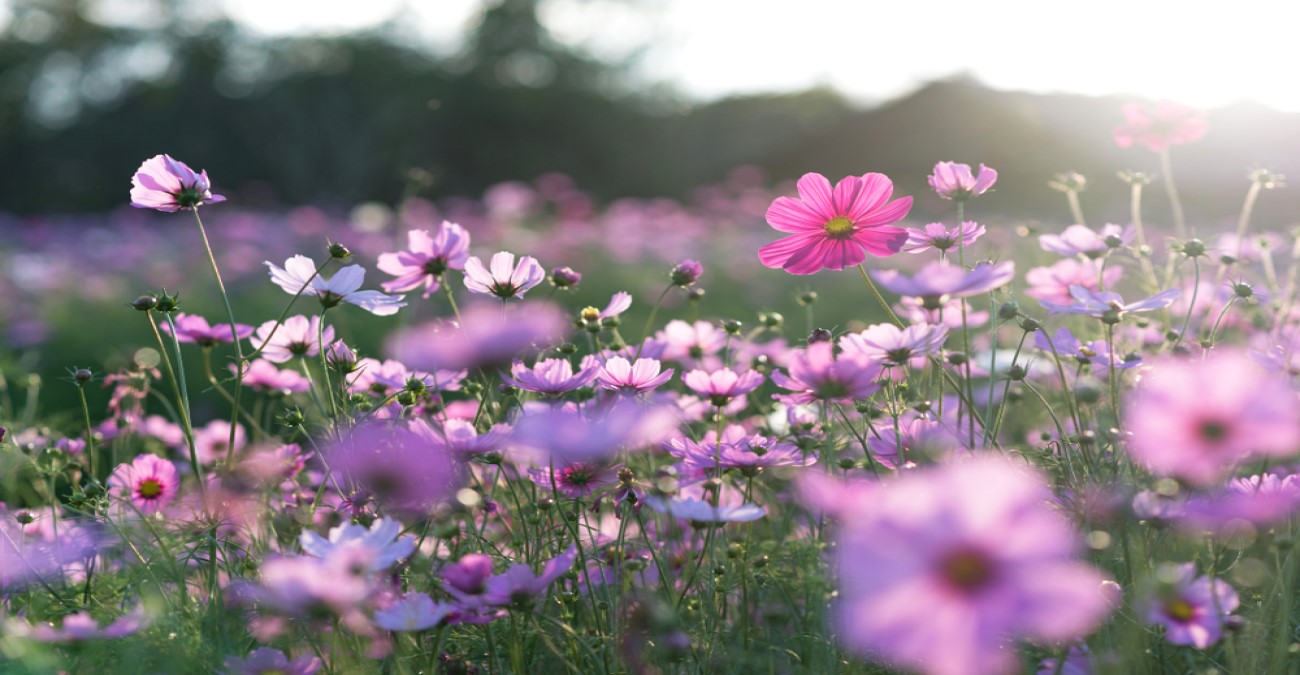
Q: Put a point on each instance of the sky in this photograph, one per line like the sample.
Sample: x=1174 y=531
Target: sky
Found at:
x=1197 y=52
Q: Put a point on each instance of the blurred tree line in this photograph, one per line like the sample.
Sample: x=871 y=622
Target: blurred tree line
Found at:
x=85 y=96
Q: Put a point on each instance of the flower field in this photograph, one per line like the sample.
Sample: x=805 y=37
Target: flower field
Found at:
x=778 y=429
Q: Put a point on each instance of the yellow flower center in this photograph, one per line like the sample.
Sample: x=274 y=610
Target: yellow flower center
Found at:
x=838 y=227
x=149 y=488
x=1180 y=610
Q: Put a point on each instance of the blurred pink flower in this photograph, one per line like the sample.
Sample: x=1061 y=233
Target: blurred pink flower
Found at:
x=1052 y=284
x=1080 y=239
x=267 y=661
x=1194 y=610
x=414 y=612
x=1196 y=420
x=938 y=236
x=165 y=184
x=834 y=229
x=1159 y=126
x=194 y=328
x=939 y=569
x=816 y=375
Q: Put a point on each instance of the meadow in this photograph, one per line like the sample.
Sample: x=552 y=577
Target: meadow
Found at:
x=773 y=428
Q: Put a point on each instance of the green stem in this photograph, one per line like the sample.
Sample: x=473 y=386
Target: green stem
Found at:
x=234 y=336
x=1175 y=204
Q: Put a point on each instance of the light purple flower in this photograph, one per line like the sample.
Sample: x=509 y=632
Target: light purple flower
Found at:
x=262 y=375
x=299 y=274
x=1052 y=284
x=940 y=568
x=407 y=473
x=938 y=281
x=482 y=337
x=720 y=386
x=82 y=626
x=297 y=336
x=1082 y=240
x=1109 y=306
x=383 y=539
x=549 y=376
x=701 y=511
x=504 y=279
x=575 y=481
x=892 y=345
x=268 y=661
x=520 y=587
x=1097 y=351
x=564 y=436
x=415 y=612
x=467 y=578
x=691 y=343
x=165 y=184
x=618 y=304
x=1193 y=610
x=955 y=181
x=938 y=236
x=426 y=259
x=816 y=375
x=639 y=377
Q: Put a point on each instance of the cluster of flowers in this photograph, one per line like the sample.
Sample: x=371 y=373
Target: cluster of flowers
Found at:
x=975 y=506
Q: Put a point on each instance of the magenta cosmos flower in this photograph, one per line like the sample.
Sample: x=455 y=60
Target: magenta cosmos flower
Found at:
x=955 y=181
x=1194 y=610
x=166 y=184
x=941 y=568
x=816 y=375
x=194 y=328
x=503 y=277
x=1195 y=420
x=621 y=375
x=1160 y=126
x=426 y=259
x=893 y=345
x=720 y=386
x=834 y=229
x=149 y=482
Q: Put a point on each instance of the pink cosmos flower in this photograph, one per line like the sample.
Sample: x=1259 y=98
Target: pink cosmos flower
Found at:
x=413 y=613
x=299 y=274
x=426 y=259
x=955 y=181
x=505 y=278
x=165 y=184
x=1066 y=345
x=893 y=345
x=82 y=626
x=267 y=661
x=834 y=229
x=1159 y=126
x=212 y=441
x=195 y=329
x=689 y=343
x=639 y=377
x=1196 y=420
x=940 y=568
x=1082 y=240
x=407 y=473
x=938 y=280
x=297 y=336
x=149 y=482
x=720 y=386
x=816 y=375
x=467 y=578
x=262 y=375
x=947 y=313
x=549 y=376
x=565 y=436
x=1108 y=306
x=1194 y=610
x=938 y=236
x=1052 y=284
x=575 y=481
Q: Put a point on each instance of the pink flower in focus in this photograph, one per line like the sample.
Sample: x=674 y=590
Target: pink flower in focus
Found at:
x=297 y=336
x=551 y=377
x=194 y=328
x=816 y=375
x=893 y=345
x=426 y=259
x=955 y=181
x=1159 y=126
x=574 y=481
x=165 y=184
x=505 y=278
x=1082 y=240
x=1194 y=610
x=834 y=229
x=149 y=482
x=520 y=587
x=1195 y=420
x=639 y=377
x=941 y=568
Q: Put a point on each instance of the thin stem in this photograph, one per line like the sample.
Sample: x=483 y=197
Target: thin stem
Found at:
x=1247 y=208
x=1072 y=196
x=182 y=401
x=1175 y=204
x=234 y=336
x=650 y=322
x=90 y=438
x=1196 y=287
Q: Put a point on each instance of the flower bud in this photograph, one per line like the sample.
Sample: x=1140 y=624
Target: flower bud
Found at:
x=339 y=251
x=686 y=272
x=145 y=303
x=82 y=375
x=1009 y=310
x=771 y=319
x=808 y=297
x=819 y=335
x=167 y=303
x=1194 y=248
x=565 y=277
x=1030 y=324
x=732 y=326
